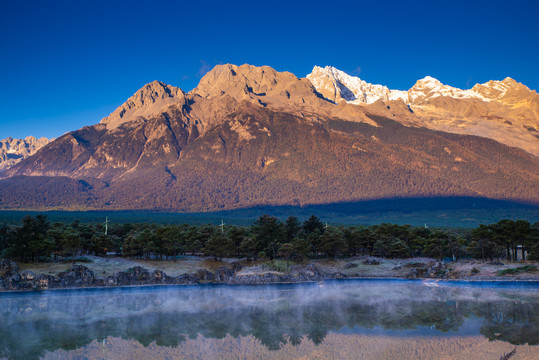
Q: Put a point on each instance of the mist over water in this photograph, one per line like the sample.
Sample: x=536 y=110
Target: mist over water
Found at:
x=33 y=323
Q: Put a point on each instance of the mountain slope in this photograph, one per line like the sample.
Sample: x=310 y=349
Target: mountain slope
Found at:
x=251 y=135
x=505 y=111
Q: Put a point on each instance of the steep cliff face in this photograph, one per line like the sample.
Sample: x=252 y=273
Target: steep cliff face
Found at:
x=12 y=151
x=251 y=135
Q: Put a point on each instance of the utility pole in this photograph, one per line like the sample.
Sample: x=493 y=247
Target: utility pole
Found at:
x=106 y=226
x=222 y=227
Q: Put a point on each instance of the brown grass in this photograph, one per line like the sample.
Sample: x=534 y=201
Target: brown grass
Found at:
x=335 y=346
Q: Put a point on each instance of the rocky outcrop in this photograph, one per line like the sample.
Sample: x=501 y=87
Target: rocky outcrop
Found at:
x=12 y=151
x=12 y=279
x=297 y=274
x=431 y=270
x=151 y=99
x=80 y=276
x=224 y=274
x=140 y=276
x=77 y=276
x=9 y=274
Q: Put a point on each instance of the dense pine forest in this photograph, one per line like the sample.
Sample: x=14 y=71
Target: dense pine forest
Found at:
x=38 y=240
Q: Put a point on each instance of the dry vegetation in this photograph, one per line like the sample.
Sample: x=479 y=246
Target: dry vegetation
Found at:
x=335 y=346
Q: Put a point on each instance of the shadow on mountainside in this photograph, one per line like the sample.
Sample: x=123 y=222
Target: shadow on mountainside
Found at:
x=432 y=211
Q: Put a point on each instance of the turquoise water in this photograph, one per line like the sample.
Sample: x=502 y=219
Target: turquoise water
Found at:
x=33 y=323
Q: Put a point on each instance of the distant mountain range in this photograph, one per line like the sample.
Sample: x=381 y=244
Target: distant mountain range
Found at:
x=248 y=136
x=13 y=151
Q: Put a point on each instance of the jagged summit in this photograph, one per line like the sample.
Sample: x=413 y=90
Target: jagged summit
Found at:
x=338 y=86
x=148 y=100
x=257 y=84
x=244 y=79
x=224 y=89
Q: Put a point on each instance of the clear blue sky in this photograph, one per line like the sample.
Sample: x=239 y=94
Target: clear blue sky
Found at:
x=67 y=64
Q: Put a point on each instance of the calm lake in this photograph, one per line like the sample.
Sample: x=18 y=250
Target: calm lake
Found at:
x=355 y=319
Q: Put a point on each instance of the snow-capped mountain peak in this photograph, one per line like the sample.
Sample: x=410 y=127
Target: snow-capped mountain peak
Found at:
x=430 y=82
x=338 y=86
x=429 y=87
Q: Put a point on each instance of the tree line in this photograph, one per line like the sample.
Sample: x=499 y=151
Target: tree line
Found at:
x=37 y=240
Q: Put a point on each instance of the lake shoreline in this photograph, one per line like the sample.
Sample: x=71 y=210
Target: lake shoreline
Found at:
x=321 y=282
x=77 y=276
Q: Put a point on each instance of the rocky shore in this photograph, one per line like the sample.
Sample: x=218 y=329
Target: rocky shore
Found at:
x=80 y=276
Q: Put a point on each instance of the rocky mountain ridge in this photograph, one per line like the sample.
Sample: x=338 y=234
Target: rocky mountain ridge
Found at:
x=249 y=136
x=336 y=85
x=506 y=111
x=13 y=151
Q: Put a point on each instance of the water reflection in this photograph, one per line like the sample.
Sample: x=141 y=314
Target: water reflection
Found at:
x=275 y=315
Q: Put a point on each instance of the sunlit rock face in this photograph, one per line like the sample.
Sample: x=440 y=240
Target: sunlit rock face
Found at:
x=338 y=86
x=12 y=151
x=249 y=136
x=506 y=111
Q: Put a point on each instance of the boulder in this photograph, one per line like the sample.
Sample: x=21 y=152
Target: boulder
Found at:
x=371 y=262
x=136 y=275
x=44 y=281
x=27 y=280
x=111 y=280
x=28 y=275
x=311 y=270
x=204 y=275
x=77 y=276
x=9 y=275
x=223 y=274
x=186 y=279
x=158 y=277
x=236 y=266
x=8 y=266
x=437 y=271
